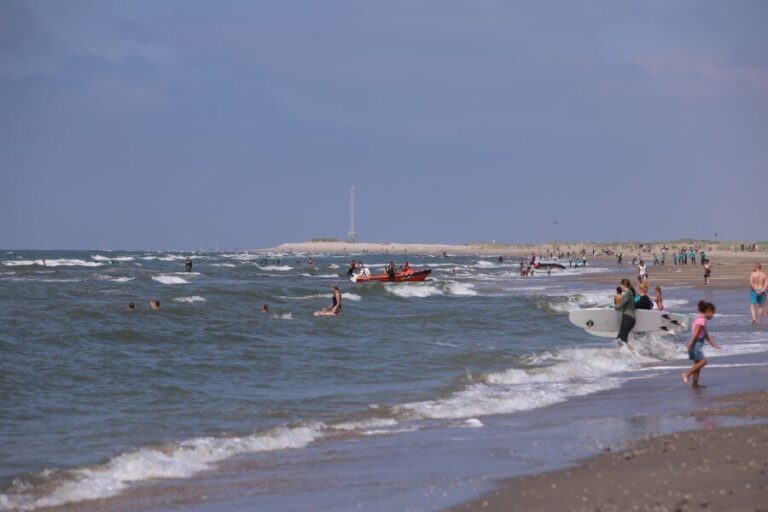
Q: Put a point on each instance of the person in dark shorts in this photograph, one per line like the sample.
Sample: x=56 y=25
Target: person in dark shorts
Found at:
x=627 y=307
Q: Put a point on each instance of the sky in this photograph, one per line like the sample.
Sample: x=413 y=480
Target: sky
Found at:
x=242 y=123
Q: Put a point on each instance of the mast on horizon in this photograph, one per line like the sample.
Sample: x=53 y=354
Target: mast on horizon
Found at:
x=351 y=235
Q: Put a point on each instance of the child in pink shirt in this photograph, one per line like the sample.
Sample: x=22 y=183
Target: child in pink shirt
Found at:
x=699 y=335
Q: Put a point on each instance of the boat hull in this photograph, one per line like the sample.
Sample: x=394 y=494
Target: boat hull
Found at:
x=411 y=277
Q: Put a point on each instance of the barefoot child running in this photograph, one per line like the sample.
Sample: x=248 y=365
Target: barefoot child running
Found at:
x=699 y=335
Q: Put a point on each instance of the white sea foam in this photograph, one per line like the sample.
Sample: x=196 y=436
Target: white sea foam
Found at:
x=473 y=422
x=280 y=268
x=409 y=290
x=99 y=257
x=461 y=289
x=364 y=424
x=568 y=373
x=305 y=297
x=352 y=296
x=228 y=265
x=52 y=263
x=169 y=280
x=178 y=460
x=325 y=276
x=122 y=279
x=284 y=316
x=190 y=299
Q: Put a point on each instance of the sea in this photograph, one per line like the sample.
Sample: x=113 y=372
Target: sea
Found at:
x=418 y=396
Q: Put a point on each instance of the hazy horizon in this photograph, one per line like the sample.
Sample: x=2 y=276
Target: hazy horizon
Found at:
x=194 y=124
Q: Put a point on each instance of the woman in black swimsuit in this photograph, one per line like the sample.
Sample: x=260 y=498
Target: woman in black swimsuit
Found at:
x=336 y=305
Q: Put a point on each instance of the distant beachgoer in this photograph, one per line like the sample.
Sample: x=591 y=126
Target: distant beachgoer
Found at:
x=501 y=259
x=627 y=307
x=310 y=262
x=445 y=254
x=154 y=304
x=188 y=264
x=44 y=263
x=642 y=301
x=707 y=271
x=131 y=306
x=699 y=335
x=642 y=271
x=758 y=282
x=619 y=259
x=264 y=308
x=658 y=299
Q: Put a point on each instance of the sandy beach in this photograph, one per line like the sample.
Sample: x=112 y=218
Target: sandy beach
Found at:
x=708 y=469
x=730 y=269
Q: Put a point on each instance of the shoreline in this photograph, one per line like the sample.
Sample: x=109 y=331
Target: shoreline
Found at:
x=503 y=249
x=720 y=468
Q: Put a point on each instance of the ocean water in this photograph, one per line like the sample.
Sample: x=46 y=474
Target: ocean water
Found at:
x=97 y=401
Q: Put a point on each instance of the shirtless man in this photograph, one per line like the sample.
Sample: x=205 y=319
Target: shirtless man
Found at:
x=758 y=282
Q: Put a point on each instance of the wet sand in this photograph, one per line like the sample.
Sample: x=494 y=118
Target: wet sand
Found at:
x=715 y=469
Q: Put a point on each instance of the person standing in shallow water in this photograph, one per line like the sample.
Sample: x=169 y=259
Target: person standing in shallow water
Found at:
x=699 y=335
x=627 y=307
x=188 y=264
x=758 y=282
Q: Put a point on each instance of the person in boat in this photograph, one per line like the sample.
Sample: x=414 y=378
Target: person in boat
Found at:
x=391 y=270
x=352 y=268
x=407 y=268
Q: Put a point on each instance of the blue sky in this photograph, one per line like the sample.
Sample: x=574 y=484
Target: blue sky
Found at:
x=242 y=124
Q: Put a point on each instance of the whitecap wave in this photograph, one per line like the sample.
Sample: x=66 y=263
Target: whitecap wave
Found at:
x=169 y=280
x=568 y=373
x=190 y=299
x=409 y=290
x=280 y=268
x=99 y=257
x=177 y=460
x=52 y=263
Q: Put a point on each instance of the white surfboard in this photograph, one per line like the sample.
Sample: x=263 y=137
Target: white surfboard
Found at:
x=606 y=322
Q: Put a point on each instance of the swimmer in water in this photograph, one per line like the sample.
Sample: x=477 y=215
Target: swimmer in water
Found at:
x=154 y=304
x=131 y=306
x=335 y=307
x=264 y=308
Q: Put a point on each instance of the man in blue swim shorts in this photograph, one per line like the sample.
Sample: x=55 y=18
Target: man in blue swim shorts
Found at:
x=758 y=282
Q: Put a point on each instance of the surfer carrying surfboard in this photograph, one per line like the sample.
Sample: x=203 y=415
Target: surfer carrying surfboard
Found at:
x=627 y=307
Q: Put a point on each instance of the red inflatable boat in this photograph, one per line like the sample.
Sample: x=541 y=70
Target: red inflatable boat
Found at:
x=401 y=277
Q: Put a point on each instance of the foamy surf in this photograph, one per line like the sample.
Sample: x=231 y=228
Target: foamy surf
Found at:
x=177 y=460
x=52 y=263
x=169 y=280
x=191 y=299
x=566 y=374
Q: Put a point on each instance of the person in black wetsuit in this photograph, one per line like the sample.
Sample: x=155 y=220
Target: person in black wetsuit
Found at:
x=188 y=264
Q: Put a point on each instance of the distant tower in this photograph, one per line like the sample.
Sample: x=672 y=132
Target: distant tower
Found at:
x=351 y=235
